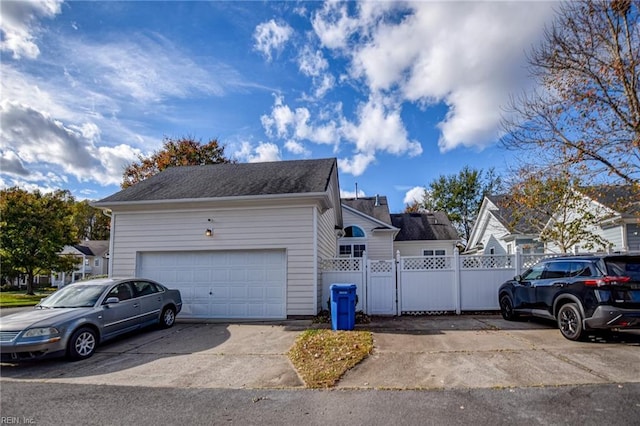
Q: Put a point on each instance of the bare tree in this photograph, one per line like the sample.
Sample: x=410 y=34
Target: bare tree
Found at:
x=584 y=115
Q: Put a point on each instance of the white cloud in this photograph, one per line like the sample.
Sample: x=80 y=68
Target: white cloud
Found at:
x=296 y=148
x=333 y=25
x=379 y=127
x=19 y=25
x=469 y=56
x=352 y=194
x=285 y=123
x=357 y=164
x=38 y=138
x=415 y=194
x=263 y=152
x=114 y=160
x=312 y=63
x=11 y=163
x=152 y=70
x=271 y=36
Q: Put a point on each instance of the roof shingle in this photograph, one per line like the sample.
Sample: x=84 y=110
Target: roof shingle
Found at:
x=231 y=180
x=423 y=226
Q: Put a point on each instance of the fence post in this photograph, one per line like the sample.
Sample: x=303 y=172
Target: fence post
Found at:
x=456 y=284
x=398 y=265
x=519 y=260
x=365 y=279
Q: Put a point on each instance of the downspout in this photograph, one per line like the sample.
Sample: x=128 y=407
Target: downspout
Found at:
x=109 y=214
x=318 y=282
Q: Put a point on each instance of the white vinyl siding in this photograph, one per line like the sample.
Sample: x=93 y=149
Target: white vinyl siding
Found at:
x=326 y=246
x=633 y=237
x=379 y=244
x=416 y=248
x=284 y=228
x=614 y=236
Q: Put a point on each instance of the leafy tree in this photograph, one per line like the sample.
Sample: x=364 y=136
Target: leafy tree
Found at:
x=553 y=205
x=413 y=207
x=35 y=227
x=175 y=152
x=460 y=196
x=90 y=222
x=585 y=114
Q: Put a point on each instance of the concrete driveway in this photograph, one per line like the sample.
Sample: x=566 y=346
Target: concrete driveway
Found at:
x=480 y=351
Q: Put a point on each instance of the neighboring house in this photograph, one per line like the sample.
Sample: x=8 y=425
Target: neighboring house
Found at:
x=496 y=232
x=93 y=259
x=620 y=224
x=367 y=227
x=370 y=227
x=238 y=240
x=424 y=234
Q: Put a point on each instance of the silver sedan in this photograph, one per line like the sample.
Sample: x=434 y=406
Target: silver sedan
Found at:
x=75 y=319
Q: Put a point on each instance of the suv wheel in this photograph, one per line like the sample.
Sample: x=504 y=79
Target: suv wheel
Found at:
x=506 y=308
x=570 y=321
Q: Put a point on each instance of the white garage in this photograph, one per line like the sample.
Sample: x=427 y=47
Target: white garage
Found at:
x=234 y=284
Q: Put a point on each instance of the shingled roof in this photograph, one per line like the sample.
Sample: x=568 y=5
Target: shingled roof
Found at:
x=516 y=222
x=376 y=207
x=423 y=226
x=624 y=199
x=231 y=180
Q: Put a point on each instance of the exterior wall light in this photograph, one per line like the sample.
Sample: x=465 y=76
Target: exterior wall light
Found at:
x=208 y=232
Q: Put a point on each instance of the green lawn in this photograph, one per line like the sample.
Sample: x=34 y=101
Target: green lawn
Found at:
x=14 y=299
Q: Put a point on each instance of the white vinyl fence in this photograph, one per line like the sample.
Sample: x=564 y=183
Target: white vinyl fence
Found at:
x=419 y=285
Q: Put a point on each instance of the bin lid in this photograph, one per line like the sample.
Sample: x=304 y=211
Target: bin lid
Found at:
x=343 y=286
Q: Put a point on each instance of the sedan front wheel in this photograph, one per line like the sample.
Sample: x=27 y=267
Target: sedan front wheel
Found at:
x=82 y=344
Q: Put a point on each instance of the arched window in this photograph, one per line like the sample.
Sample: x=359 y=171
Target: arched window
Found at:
x=353 y=232
x=354 y=248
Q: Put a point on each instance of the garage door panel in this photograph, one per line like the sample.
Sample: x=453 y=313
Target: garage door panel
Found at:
x=232 y=284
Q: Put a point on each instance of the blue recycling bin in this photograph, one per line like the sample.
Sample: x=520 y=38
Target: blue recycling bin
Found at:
x=343 y=306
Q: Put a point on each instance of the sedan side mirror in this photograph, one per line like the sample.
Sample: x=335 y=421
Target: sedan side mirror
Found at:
x=111 y=300
x=518 y=278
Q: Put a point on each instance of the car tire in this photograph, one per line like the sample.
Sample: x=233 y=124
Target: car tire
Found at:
x=167 y=318
x=570 y=321
x=506 y=308
x=82 y=344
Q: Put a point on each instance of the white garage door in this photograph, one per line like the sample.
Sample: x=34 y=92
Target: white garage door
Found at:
x=229 y=284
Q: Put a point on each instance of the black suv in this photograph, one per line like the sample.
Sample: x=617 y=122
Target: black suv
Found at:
x=594 y=292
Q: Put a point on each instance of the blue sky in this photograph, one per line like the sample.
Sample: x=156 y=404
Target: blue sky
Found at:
x=399 y=92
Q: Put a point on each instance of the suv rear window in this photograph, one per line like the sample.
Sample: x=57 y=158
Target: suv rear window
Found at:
x=627 y=266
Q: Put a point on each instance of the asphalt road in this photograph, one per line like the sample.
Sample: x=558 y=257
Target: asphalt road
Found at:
x=65 y=404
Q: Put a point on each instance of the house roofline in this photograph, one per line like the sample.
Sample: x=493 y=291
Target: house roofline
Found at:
x=372 y=219
x=324 y=196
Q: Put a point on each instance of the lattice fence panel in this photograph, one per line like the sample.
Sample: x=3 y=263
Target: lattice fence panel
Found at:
x=342 y=265
x=487 y=262
x=427 y=263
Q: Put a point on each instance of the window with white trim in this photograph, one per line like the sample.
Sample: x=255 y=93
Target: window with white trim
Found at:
x=96 y=262
x=352 y=250
x=433 y=252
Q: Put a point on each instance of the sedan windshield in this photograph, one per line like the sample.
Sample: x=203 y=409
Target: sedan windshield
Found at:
x=74 y=296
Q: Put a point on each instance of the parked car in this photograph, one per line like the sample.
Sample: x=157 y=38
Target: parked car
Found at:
x=75 y=319
x=581 y=293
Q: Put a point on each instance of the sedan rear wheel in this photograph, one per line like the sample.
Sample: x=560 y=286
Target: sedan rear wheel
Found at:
x=570 y=321
x=168 y=317
x=82 y=344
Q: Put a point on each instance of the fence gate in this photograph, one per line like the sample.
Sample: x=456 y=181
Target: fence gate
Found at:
x=381 y=287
